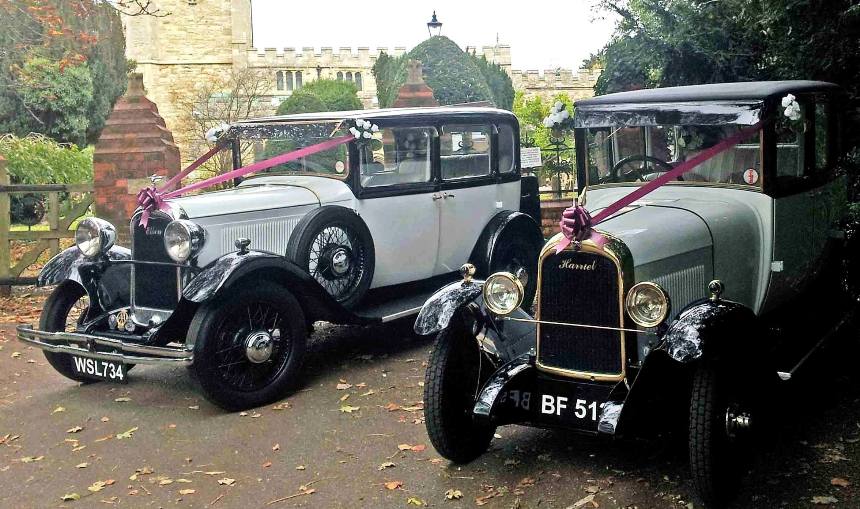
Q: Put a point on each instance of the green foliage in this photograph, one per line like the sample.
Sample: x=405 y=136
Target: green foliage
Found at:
x=338 y=95
x=37 y=159
x=454 y=75
x=301 y=102
x=48 y=39
x=531 y=112
x=679 y=42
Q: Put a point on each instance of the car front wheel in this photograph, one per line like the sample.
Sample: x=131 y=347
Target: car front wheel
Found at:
x=453 y=379
x=64 y=309
x=248 y=345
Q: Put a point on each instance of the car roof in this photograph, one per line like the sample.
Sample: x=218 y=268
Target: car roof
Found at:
x=742 y=91
x=384 y=113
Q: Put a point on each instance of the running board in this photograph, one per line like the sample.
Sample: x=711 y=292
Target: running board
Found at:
x=786 y=375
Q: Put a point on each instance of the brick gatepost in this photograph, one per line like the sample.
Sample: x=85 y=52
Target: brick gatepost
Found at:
x=414 y=93
x=133 y=145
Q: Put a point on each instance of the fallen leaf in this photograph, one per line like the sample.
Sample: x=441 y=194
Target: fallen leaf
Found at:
x=368 y=393
x=404 y=447
x=281 y=406
x=387 y=464
x=217 y=472
x=267 y=464
x=276 y=447
x=184 y=480
x=187 y=492
x=343 y=386
x=105 y=419
x=97 y=486
x=58 y=410
x=15 y=355
x=127 y=434
x=226 y=481
x=347 y=409
x=122 y=400
x=82 y=465
x=31 y=459
x=391 y=407
x=453 y=494
x=243 y=414
x=582 y=501
x=824 y=500
x=838 y=481
x=300 y=467
x=165 y=482
x=592 y=489
x=482 y=500
x=68 y=497
x=79 y=448
x=393 y=485
x=344 y=398
x=418 y=448
x=76 y=429
x=194 y=407
x=511 y=462
x=414 y=501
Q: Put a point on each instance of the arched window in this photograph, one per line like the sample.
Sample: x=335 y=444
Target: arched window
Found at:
x=339 y=76
x=289 y=79
x=358 y=80
x=298 y=80
x=279 y=80
x=348 y=76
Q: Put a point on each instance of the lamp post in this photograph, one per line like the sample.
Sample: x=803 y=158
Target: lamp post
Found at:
x=434 y=26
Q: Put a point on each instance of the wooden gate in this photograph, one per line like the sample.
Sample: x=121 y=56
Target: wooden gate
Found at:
x=46 y=239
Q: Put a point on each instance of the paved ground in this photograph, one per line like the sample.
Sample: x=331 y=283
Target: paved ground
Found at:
x=61 y=438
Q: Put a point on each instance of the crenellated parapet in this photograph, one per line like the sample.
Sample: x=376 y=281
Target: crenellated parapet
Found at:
x=577 y=84
x=361 y=58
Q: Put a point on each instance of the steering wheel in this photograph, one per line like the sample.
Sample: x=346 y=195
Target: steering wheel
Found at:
x=634 y=171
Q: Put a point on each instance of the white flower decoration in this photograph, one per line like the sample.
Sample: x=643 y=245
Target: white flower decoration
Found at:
x=363 y=129
x=792 y=108
x=557 y=117
x=787 y=100
x=213 y=134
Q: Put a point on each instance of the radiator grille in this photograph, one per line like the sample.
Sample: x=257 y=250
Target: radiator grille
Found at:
x=684 y=286
x=268 y=235
x=585 y=292
x=154 y=286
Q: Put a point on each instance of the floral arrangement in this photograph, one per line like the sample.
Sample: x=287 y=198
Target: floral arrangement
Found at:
x=363 y=129
x=791 y=108
x=558 y=117
x=214 y=133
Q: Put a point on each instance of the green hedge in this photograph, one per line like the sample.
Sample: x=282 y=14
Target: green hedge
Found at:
x=37 y=159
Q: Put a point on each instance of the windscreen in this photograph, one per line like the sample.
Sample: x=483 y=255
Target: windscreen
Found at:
x=258 y=143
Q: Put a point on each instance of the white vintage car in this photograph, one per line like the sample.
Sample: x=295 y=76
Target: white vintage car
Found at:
x=230 y=282
x=688 y=297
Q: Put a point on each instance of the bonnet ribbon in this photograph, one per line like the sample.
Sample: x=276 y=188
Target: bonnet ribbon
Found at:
x=151 y=199
x=576 y=223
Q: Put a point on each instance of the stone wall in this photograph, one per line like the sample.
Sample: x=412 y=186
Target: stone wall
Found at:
x=133 y=145
x=549 y=83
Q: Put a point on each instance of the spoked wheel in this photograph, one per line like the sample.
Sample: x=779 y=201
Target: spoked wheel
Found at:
x=720 y=424
x=248 y=346
x=65 y=309
x=518 y=256
x=455 y=373
x=334 y=245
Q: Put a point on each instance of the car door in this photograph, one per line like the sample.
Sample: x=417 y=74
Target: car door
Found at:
x=399 y=203
x=472 y=189
x=794 y=211
x=830 y=195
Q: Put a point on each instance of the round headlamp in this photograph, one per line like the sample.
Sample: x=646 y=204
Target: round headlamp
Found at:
x=503 y=293
x=183 y=239
x=647 y=304
x=94 y=236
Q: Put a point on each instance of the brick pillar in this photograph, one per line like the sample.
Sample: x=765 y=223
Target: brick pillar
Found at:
x=414 y=92
x=133 y=145
x=550 y=215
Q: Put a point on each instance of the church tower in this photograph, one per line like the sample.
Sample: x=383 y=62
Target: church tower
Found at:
x=192 y=41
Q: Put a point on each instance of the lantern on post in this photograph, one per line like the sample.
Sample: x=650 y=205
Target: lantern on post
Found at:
x=434 y=26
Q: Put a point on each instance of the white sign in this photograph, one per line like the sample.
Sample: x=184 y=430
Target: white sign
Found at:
x=530 y=157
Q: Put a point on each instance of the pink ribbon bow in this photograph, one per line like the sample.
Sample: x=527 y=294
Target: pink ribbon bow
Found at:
x=150 y=199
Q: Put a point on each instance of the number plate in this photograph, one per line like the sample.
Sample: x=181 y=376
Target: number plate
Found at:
x=577 y=405
x=111 y=371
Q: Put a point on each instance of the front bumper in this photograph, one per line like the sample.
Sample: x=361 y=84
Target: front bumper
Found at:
x=97 y=347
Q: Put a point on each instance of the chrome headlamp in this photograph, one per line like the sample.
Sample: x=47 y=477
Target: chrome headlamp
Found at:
x=94 y=236
x=647 y=304
x=183 y=239
x=503 y=293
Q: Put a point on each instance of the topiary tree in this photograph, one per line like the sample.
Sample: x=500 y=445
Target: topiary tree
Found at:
x=454 y=75
x=301 y=101
x=337 y=95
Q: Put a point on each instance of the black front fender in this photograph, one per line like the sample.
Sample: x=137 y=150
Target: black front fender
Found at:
x=65 y=265
x=244 y=268
x=709 y=327
x=436 y=313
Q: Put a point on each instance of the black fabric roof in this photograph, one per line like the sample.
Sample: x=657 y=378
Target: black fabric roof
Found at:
x=439 y=111
x=751 y=90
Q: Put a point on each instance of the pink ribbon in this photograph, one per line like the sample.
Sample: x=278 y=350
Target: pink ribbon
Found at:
x=576 y=223
x=151 y=199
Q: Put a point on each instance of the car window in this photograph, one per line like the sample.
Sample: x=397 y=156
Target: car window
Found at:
x=397 y=155
x=465 y=151
x=506 y=149
x=823 y=136
x=265 y=142
x=640 y=154
x=790 y=148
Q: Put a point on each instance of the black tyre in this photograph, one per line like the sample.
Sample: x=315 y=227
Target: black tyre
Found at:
x=717 y=453
x=334 y=245
x=455 y=373
x=517 y=255
x=248 y=345
x=65 y=308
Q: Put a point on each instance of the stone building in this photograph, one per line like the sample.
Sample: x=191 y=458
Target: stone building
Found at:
x=207 y=39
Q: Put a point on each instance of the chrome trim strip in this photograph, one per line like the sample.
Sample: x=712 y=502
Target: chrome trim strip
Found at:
x=401 y=314
x=148 y=354
x=547 y=322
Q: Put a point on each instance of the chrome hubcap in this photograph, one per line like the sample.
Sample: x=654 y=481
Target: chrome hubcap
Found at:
x=258 y=346
x=737 y=421
x=340 y=261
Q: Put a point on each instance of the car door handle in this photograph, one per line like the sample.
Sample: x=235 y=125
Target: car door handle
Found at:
x=447 y=195
x=437 y=196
